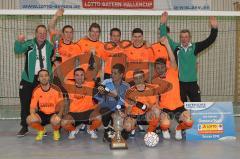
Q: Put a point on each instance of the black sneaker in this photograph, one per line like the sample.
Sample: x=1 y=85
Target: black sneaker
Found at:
x=22 y=132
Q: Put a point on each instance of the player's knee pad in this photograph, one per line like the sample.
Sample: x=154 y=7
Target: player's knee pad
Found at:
x=33 y=119
x=55 y=120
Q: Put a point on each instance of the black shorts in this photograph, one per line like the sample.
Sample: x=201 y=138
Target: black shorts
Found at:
x=141 y=119
x=175 y=114
x=81 y=117
x=45 y=118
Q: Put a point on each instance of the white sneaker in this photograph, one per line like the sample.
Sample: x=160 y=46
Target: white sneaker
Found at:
x=93 y=134
x=166 y=134
x=132 y=134
x=178 y=135
x=72 y=134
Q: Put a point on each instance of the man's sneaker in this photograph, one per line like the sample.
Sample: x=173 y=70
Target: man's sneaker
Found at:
x=166 y=134
x=56 y=135
x=93 y=134
x=40 y=134
x=178 y=135
x=132 y=134
x=22 y=132
x=72 y=134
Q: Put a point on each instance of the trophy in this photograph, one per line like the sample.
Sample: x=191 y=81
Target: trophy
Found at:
x=117 y=141
x=56 y=47
x=91 y=61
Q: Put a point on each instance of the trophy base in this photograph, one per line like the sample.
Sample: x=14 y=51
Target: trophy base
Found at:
x=118 y=145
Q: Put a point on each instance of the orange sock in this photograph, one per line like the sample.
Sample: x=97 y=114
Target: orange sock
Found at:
x=37 y=126
x=69 y=127
x=55 y=127
x=95 y=124
x=184 y=125
x=164 y=127
x=152 y=125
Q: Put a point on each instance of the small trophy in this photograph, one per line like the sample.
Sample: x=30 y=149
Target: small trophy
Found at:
x=56 y=47
x=118 y=142
x=91 y=61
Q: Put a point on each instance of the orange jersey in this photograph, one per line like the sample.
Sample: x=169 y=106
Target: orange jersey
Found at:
x=159 y=51
x=148 y=97
x=81 y=97
x=114 y=54
x=66 y=51
x=138 y=58
x=46 y=101
x=170 y=100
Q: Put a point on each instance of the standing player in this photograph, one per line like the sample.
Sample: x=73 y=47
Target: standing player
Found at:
x=38 y=52
x=64 y=45
x=170 y=103
x=114 y=51
x=93 y=51
x=186 y=53
x=139 y=55
x=46 y=107
x=111 y=94
x=82 y=108
x=142 y=103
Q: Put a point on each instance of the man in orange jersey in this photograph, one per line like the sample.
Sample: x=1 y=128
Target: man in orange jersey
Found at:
x=141 y=103
x=65 y=47
x=114 y=51
x=93 y=49
x=46 y=107
x=170 y=103
x=82 y=108
x=139 y=55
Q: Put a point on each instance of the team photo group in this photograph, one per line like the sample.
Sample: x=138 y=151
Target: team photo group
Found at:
x=118 y=85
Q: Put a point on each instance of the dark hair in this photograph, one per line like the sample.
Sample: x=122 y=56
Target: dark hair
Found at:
x=168 y=29
x=115 y=29
x=186 y=31
x=160 y=61
x=138 y=71
x=65 y=27
x=94 y=25
x=137 y=30
x=78 y=69
x=119 y=67
x=42 y=70
x=40 y=26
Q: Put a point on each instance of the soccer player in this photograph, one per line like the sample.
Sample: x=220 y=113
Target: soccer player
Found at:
x=38 y=52
x=46 y=107
x=111 y=94
x=114 y=51
x=139 y=55
x=170 y=103
x=67 y=49
x=186 y=53
x=141 y=103
x=82 y=108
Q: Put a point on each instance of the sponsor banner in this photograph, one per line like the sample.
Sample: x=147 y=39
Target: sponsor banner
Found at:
x=117 y=4
x=212 y=121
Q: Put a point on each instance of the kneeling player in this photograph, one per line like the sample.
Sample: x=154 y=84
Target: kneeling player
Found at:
x=142 y=104
x=46 y=107
x=111 y=94
x=171 y=104
x=82 y=107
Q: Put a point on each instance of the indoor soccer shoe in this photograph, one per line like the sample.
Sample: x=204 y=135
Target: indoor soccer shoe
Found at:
x=40 y=135
x=72 y=134
x=56 y=135
x=93 y=134
x=178 y=135
x=166 y=134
